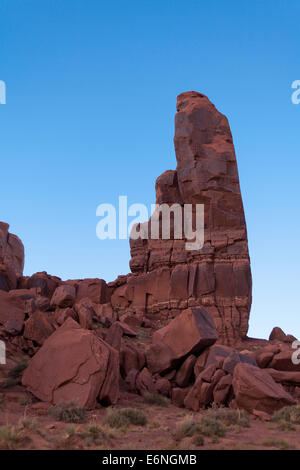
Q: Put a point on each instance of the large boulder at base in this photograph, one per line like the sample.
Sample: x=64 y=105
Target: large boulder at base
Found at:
x=74 y=365
x=189 y=333
x=255 y=389
x=11 y=258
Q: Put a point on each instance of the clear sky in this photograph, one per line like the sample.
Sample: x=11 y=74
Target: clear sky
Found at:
x=91 y=97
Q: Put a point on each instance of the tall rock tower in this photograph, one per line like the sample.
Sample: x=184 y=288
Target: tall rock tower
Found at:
x=168 y=278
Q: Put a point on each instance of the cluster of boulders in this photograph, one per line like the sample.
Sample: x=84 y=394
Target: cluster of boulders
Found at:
x=82 y=351
x=177 y=324
x=185 y=363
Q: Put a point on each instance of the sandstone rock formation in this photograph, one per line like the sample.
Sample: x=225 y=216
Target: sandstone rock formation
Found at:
x=74 y=365
x=190 y=332
x=177 y=324
x=167 y=278
x=11 y=258
x=255 y=389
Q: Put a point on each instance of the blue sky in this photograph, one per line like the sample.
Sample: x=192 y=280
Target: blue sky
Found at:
x=91 y=96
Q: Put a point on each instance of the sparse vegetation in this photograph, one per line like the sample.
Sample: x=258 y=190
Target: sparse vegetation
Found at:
x=14 y=374
x=25 y=400
x=10 y=382
x=156 y=399
x=286 y=417
x=205 y=426
x=198 y=440
x=210 y=426
x=278 y=443
x=28 y=423
x=21 y=364
x=142 y=334
x=67 y=412
x=10 y=437
x=230 y=417
x=124 y=417
x=184 y=429
x=93 y=434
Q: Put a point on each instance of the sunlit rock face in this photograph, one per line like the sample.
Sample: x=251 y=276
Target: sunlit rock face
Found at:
x=167 y=277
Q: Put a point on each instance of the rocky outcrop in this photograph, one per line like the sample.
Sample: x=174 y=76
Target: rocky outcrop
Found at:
x=189 y=333
x=11 y=258
x=255 y=389
x=177 y=324
x=74 y=365
x=168 y=278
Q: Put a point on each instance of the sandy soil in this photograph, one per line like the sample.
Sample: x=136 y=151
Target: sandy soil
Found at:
x=35 y=429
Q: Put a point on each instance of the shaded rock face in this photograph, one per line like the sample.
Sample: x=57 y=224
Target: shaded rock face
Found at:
x=11 y=258
x=168 y=278
x=74 y=365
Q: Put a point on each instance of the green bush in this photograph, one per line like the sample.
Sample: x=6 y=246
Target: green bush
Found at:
x=10 y=438
x=123 y=417
x=211 y=427
x=278 y=443
x=156 y=399
x=288 y=414
x=92 y=434
x=229 y=417
x=67 y=412
x=205 y=426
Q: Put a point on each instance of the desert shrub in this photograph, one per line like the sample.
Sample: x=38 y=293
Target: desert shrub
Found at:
x=184 y=429
x=156 y=399
x=229 y=417
x=10 y=437
x=71 y=431
x=211 y=427
x=67 y=412
x=198 y=440
x=10 y=382
x=21 y=364
x=93 y=434
x=204 y=426
x=288 y=414
x=28 y=423
x=25 y=400
x=123 y=417
x=278 y=443
x=284 y=426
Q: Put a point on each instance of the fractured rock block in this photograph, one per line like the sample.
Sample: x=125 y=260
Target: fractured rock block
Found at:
x=74 y=365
